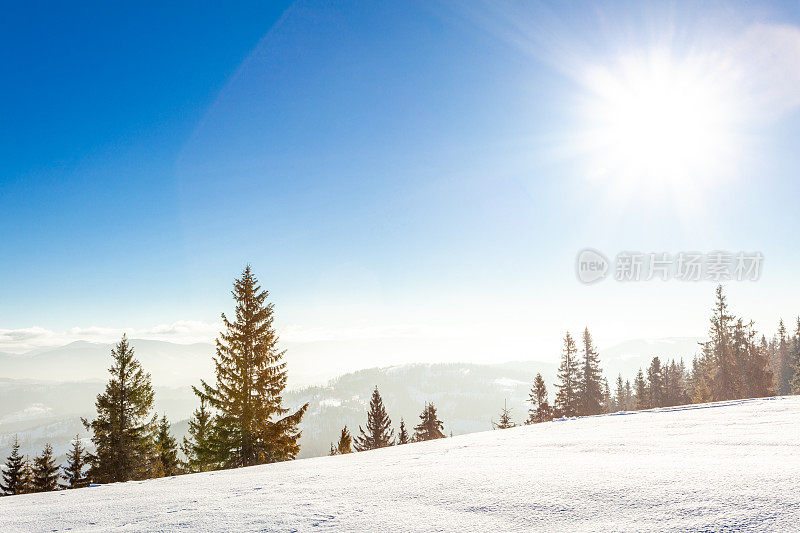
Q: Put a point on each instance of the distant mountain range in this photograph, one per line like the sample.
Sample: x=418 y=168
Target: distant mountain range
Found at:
x=44 y=394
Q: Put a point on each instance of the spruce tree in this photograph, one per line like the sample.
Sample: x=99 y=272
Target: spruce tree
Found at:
x=794 y=385
x=590 y=379
x=619 y=395
x=123 y=429
x=198 y=446
x=783 y=356
x=76 y=461
x=379 y=431
x=608 y=401
x=345 y=441
x=26 y=477
x=655 y=384
x=45 y=471
x=540 y=408
x=166 y=450
x=568 y=393
x=402 y=435
x=640 y=388
x=429 y=427
x=505 y=421
x=251 y=425
x=628 y=395
x=13 y=472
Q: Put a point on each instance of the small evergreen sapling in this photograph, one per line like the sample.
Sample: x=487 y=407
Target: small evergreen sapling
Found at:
x=429 y=427
x=402 y=435
x=13 y=473
x=167 y=463
x=505 y=419
x=76 y=461
x=45 y=471
x=379 y=431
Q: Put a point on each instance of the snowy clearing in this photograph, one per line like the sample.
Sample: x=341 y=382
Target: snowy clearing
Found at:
x=725 y=466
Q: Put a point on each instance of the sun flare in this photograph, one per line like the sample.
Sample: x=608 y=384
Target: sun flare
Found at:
x=654 y=123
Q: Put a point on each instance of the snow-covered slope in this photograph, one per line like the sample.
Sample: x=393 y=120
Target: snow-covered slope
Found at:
x=727 y=466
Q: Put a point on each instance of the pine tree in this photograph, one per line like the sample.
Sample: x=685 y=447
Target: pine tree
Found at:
x=251 y=426
x=345 y=441
x=540 y=408
x=764 y=382
x=608 y=400
x=590 y=379
x=783 y=356
x=166 y=450
x=122 y=431
x=655 y=384
x=379 y=431
x=76 y=461
x=333 y=450
x=619 y=395
x=505 y=419
x=640 y=388
x=45 y=471
x=429 y=427
x=13 y=473
x=402 y=435
x=198 y=446
x=568 y=394
x=715 y=375
x=26 y=477
x=794 y=385
x=628 y=395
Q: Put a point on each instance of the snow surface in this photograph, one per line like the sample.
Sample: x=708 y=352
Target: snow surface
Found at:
x=728 y=466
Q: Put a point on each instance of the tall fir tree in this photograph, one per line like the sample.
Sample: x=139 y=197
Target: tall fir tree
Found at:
x=714 y=377
x=608 y=399
x=567 y=390
x=619 y=395
x=166 y=447
x=379 y=431
x=505 y=421
x=344 y=446
x=45 y=473
x=402 y=435
x=26 y=478
x=251 y=425
x=429 y=427
x=628 y=395
x=197 y=447
x=13 y=472
x=74 y=475
x=655 y=384
x=783 y=356
x=794 y=385
x=123 y=429
x=540 y=408
x=640 y=390
x=754 y=377
x=590 y=379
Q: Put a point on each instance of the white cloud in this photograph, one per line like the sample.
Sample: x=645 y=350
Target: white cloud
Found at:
x=182 y=332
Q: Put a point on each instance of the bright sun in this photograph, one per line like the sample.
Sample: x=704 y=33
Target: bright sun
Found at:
x=653 y=123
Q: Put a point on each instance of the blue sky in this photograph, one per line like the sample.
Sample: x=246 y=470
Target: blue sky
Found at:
x=406 y=169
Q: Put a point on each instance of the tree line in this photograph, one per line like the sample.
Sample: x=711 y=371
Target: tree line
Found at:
x=379 y=432
x=241 y=419
x=734 y=363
